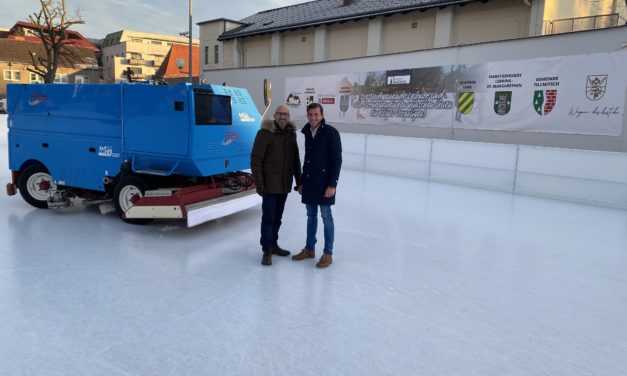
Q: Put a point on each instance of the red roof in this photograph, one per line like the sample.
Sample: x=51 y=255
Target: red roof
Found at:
x=168 y=68
x=71 y=36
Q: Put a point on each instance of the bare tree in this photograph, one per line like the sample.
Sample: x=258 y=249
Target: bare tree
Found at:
x=51 y=24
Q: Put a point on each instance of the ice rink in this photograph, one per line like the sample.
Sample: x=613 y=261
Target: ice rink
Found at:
x=427 y=279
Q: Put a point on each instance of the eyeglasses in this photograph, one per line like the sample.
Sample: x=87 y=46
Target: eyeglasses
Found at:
x=282 y=113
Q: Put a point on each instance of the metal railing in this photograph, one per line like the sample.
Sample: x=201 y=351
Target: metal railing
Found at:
x=567 y=25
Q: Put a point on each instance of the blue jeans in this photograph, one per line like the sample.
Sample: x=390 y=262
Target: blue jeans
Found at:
x=272 y=211
x=312 y=227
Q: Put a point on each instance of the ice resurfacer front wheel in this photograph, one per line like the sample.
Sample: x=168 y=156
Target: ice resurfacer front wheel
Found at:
x=125 y=190
x=36 y=185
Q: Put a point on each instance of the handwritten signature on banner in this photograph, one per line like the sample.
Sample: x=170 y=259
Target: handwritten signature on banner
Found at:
x=606 y=111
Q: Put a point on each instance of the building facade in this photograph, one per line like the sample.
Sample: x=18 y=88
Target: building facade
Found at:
x=142 y=52
x=175 y=69
x=20 y=48
x=328 y=30
x=325 y=30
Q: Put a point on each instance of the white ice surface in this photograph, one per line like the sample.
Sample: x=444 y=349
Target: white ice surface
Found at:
x=427 y=279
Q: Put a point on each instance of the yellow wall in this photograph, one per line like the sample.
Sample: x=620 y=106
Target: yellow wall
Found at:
x=347 y=40
x=398 y=35
x=477 y=22
x=256 y=50
x=295 y=49
x=559 y=9
x=227 y=57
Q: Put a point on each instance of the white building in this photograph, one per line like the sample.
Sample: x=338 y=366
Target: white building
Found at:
x=142 y=52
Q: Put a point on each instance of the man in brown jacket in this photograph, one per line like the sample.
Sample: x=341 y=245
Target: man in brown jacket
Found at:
x=275 y=163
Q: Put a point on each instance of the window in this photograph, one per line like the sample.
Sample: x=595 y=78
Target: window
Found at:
x=212 y=109
x=216 y=56
x=136 y=40
x=81 y=79
x=156 y=42
x=36 y=79
x=136 y=56
x=12 y=75
x=206 y=54
x=60 y=78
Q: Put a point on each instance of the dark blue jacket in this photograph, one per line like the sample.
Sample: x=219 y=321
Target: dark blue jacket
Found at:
x=321 y=167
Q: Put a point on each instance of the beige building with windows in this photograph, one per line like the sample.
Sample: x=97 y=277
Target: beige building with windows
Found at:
x=142 y=52
x=328 y=30
x=16 y=57
x=321 y=31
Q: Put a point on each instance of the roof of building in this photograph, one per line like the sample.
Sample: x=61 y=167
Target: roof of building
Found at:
x=19 y=51
x=116 y=37
x=218 y=19
x=168 y=68
x=327 y=11
x=72 y=36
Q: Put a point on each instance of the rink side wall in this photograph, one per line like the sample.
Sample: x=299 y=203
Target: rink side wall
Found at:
x=591 y=177
x=586 y=42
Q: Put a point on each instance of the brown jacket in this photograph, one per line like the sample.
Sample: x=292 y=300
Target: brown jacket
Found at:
x=275 y=161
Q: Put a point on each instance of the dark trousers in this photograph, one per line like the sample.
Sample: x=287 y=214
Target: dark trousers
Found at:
x=272 y=211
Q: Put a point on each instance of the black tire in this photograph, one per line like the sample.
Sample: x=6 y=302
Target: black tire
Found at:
x=35 y=185
x=126 y=188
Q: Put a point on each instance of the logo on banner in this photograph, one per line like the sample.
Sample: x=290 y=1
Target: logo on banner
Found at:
x=344 y=103
x=293 y=100
x=326 y=100
x=595 y=86
x=546 y=98
x=502 y=102
x=465 y=101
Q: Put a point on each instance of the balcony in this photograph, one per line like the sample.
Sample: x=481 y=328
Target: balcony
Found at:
x=136 y=76
x=568 y=25
x=137 y=61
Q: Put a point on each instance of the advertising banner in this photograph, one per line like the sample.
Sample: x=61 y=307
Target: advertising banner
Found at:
x=581 y=94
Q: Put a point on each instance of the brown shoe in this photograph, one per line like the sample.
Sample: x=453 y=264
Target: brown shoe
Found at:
x=325 y=261
x=266 y=259
x=279 y=251
x=305 y=253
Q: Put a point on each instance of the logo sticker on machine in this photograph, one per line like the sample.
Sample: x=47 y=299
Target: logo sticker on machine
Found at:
x=107 y=151
x=229 y=137
x=36 y=98
x=244 y=117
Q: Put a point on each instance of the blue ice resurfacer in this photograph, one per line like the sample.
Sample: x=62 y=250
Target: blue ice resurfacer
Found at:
x=152 y=151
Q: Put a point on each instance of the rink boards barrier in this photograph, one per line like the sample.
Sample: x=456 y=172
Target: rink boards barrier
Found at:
x=592 y=177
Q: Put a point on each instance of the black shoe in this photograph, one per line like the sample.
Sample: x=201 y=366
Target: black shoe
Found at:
x=266 y=259
x=279 y=251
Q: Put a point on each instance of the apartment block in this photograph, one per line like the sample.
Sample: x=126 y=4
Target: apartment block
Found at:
x=142 y=52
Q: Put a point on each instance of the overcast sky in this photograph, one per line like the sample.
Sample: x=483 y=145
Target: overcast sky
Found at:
x=155 y=16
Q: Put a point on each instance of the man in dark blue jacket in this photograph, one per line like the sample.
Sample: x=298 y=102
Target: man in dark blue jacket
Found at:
x=321 y=171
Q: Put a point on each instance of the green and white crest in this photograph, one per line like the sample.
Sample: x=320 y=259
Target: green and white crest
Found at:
x=502 y=102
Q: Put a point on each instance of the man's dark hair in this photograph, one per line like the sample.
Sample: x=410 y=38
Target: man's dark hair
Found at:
x=311 y=106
